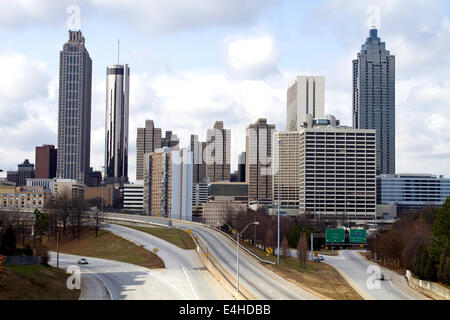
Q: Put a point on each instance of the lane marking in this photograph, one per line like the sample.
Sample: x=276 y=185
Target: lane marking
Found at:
x=189 y=281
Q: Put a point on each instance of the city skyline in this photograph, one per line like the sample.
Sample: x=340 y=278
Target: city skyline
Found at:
x=263 y=86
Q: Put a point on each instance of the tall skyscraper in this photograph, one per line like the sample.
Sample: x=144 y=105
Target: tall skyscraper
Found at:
x=25 y=170
x=374 y=98
x=258 y=151
x=306 y=95
x=46 y=157
x=116 y=123
x=170 y=140
x=217 y=155
x=197 y=148
x=148 y=139
x=241 y=167
x=74 y=110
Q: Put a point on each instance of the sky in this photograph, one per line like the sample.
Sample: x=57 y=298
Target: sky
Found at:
x=198 y=61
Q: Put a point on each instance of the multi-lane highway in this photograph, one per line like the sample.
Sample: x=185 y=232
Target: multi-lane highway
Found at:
x=359 y=274
x=106 y=279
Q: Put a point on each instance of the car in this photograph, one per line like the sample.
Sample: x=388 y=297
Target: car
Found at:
x=82 y=261
x=380 y=276
x=321 y=258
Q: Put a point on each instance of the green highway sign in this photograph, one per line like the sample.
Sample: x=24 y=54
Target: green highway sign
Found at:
x=358 y=236
x=335 y=235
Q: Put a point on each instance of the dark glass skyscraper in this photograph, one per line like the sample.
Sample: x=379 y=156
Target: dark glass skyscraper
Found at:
x=74 y=112
x=374 y=98
x=116 y=123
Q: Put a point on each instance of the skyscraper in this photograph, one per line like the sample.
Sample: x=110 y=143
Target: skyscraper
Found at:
x=170 y=140
x=74 y=110
x=197 y=148
x=258 y=151
x=46 y=156
x=374 y=98
x=217 y=154
x=116 y=123
x=25 y=170
x=148 y=139
x=305 y=95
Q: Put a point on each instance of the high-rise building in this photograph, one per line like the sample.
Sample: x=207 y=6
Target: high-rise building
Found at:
x=374 y=98
x=325 y=170
x=170 y=140
x=197 y=148
x=133 y=197
x=46 y=157
x=148 y=139
x=258 y=151
x=116 y=123
x=306 y=95
x=168 y=183
x=25 y=170
x=217 y=154
x=74 y=111
x=241 y=167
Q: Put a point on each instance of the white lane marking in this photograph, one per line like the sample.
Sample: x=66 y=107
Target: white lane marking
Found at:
x=193 y=290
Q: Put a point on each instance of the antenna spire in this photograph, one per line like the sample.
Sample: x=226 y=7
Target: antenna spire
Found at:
x=118 y=50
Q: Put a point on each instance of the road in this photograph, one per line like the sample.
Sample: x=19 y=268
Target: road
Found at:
x=357 y=272
x=183 y=268
x=107 y=279
x=261 y=282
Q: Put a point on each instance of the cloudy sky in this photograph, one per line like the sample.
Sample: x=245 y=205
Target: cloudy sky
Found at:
x=194 y=62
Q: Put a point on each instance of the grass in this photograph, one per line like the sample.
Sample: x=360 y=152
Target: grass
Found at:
x=35 y=282
x=178 y=237
x=105 y=246
x=316 y=277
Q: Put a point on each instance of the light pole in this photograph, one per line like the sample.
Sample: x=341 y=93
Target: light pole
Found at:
x=280 y=142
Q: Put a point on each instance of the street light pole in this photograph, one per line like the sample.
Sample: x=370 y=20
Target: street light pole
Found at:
x=57 y=248
x=280 y=142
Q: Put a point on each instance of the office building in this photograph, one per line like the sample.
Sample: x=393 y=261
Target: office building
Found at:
x=116 y=123
x=168 y=183
x=374 y=98
x=197 y=147
x=229 y=191
x=133 y=197
x=148 y=139
x=306 y=95
x=258 y=151
x=241 y=174
x=170 y=140
x=215 y=213
x=47 y=184
x=217 y=153
x=12 y=176
x=101 y=197
x=74 y=110
x=25 y=170
x=325 y=170
x=70 y=188
x=46 y=157
x=412 y=191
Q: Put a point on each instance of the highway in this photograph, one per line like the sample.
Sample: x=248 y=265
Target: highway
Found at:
x=356 y=269
x=106 y=279
x=261 y=282
x=183 y=268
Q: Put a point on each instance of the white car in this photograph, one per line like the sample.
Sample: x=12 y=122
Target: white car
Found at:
x=82 y=261
x=380 y=276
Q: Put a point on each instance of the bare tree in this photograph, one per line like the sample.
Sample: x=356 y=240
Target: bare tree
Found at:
x=302 y=249
x=99 y=220
x=285 y=247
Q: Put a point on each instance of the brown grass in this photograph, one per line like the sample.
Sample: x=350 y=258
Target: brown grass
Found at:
x=315 y=277
x=35 y=282
x=105 y=246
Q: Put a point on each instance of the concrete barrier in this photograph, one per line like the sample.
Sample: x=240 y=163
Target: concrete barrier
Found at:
x=431 y=289
x=22 y=260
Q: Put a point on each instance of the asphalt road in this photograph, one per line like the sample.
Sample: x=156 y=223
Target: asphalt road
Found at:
x=183 y=268
x=359 y=274
x=260 y=281
x=107 y=279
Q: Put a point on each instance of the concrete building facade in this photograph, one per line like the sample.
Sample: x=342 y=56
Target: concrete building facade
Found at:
x=74 y=110
x=23 y=198
x=217 y=153
x=326 y=169
x=258 y=151
x=148 y=139
x=198 y=147
x=306 y=95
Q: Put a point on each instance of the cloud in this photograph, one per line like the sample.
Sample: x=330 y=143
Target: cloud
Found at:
x=152 y=17
x=252 y=57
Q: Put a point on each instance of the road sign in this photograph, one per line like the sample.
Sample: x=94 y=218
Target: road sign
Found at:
x=335 y=235
x=316 y=254
x=189 y=231
x=269 y=251
x=358 y=236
